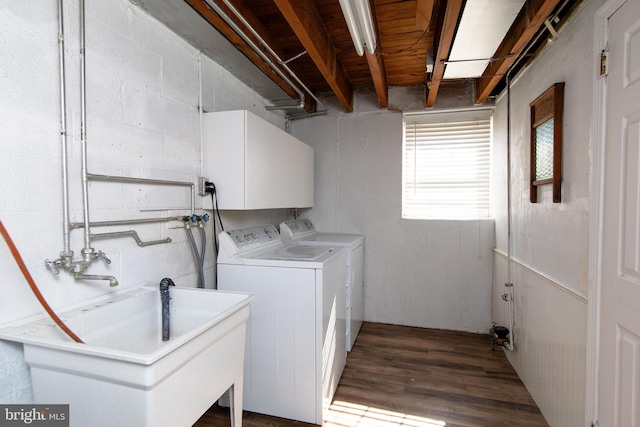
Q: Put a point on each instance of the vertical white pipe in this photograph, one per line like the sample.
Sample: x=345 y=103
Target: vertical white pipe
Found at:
x=83 y=133
x=510 y=291
x=200 y=115
x=508 y=81
x=63 y=135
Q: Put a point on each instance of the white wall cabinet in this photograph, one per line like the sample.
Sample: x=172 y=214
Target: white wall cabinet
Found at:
x=254 y=164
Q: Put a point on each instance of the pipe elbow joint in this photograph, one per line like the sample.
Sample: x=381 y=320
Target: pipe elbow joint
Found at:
x=112 y=280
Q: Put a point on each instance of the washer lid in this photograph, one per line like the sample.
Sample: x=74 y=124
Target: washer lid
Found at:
x=352 y=240
x=295 y=252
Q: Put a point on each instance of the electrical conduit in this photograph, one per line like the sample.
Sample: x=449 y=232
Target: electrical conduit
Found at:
x=509 y=345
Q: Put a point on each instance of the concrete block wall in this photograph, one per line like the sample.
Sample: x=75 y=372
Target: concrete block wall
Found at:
x=144 y=88
x=433 y=274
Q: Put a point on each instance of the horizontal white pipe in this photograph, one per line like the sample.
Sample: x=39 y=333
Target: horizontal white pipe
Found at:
x=133 y=180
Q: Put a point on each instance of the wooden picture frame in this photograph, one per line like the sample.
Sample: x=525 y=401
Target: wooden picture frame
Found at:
x=546 y=142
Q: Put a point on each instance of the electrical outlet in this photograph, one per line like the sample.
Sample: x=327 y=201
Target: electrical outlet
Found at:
x=201 y=186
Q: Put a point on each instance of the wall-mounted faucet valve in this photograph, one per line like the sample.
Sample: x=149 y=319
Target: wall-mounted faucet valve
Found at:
x=103 y=257
x=53 y=265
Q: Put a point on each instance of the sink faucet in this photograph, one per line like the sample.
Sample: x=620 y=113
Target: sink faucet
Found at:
x=112 y=280
x=78 y=267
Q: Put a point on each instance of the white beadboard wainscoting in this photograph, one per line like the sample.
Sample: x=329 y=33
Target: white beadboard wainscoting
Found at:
x=550 y=339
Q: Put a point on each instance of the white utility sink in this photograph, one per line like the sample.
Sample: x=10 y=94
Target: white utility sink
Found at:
x=124 y=374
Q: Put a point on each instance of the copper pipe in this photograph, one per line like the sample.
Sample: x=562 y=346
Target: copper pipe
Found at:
x=34 y=287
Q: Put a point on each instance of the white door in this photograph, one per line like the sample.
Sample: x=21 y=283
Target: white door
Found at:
x=619 y=366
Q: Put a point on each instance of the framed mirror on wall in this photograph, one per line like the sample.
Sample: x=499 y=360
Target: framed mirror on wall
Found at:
x=546 y=142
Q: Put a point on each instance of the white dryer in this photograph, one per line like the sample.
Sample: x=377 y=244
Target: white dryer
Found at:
x=296 y=348
x=303 y=232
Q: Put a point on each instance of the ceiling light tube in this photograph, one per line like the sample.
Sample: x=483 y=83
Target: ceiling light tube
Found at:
x=357 y=13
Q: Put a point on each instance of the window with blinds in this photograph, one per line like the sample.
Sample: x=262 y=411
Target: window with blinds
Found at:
x=446 y=165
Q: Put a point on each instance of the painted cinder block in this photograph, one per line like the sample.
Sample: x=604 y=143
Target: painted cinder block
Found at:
x=142 y=121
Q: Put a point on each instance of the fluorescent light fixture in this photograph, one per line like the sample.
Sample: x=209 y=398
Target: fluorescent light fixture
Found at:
x=357 y=13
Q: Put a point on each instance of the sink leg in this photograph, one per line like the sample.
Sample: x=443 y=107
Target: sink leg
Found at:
x=235 y=404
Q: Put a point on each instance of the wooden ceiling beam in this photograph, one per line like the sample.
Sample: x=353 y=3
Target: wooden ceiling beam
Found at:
x=379 y=76
x=304 y=19
x=524 y=28
x=449 y=25
x=377 y=66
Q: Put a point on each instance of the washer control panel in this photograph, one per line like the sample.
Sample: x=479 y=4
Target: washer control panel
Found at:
x=243 y=239
x=296 y=227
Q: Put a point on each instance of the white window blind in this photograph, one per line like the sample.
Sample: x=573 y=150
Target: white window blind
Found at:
x=446 y=165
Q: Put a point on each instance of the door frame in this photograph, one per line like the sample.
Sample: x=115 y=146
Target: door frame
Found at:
x=601 y=38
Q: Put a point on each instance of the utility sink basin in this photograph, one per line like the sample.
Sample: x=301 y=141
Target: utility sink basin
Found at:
x=124 y=374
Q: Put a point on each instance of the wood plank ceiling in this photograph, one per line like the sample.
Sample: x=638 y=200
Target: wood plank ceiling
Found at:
x=310 y=38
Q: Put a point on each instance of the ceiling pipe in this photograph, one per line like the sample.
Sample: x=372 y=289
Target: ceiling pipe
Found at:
x=217 y=9
x=300 y=55
x=265 y=57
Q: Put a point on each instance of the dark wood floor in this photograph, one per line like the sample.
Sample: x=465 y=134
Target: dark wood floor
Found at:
x=398 y=376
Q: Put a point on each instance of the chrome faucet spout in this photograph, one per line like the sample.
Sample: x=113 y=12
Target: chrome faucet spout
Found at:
x=112 y=280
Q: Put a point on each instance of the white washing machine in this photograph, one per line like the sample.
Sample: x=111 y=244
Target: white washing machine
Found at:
x=296 y=348
x=303 y=232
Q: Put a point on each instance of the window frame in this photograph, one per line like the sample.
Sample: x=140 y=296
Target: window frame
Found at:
x=548 y=106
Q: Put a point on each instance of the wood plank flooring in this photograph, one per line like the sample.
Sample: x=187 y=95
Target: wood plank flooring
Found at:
x=398 y=376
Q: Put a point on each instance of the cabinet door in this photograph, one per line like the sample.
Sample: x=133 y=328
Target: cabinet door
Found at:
x=254 y=164
x=223 y=154
x=279 y=168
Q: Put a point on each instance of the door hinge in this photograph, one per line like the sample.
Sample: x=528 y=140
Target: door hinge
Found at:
x=603 y=62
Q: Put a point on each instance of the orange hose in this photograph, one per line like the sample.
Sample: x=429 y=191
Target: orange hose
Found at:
x=34 y=287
